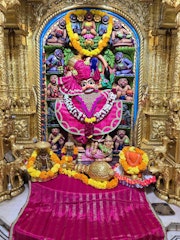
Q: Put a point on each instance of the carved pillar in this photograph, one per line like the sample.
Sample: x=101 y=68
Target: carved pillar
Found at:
x=3 y=79
x=3 y=82
x=155 y=113
x=173 y=123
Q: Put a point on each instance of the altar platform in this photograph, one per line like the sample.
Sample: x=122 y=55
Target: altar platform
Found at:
x=10 y=210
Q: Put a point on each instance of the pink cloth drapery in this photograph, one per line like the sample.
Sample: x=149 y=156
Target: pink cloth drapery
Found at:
x=67 y=209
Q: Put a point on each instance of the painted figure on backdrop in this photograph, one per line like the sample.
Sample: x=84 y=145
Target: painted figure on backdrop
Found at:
x=88 y=27
x=122 y=65
x=86 y=112
x=55 y=62
x=123 y=90
x=126 y=117
x=120 y=36
x=56 y=139
x=69 y=152
x=75 y=24
x=99 y=151
x=58 y=34
x=51 y=113
x=120 y=140
x=103 y=26
x=52 y=88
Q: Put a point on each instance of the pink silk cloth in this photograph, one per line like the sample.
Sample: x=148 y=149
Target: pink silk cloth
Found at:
x=66 y=209
x=74 y=126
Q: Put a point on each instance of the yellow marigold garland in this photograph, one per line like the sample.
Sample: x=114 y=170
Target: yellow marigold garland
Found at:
x=74 y=38
x=133 y=170
x=89 y=181
x=43 y=175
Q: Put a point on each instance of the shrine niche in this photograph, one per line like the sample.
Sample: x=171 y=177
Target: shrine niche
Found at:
x=88 y=56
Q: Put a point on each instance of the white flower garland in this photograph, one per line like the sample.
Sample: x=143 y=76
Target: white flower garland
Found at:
x=99 y=115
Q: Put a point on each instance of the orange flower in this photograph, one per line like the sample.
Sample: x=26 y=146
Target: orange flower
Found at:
x=112 y=184
x=133 y=160
x=67 y=158
x=44 y=175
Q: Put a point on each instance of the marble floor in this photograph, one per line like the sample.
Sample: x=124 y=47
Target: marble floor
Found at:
x=10 y=209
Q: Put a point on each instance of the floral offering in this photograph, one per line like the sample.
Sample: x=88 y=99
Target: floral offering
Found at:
x=133 y=160
x=43 y=164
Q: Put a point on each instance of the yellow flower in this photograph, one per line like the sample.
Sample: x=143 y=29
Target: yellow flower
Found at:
x=138 y=154
x=89 y=181
x=74 y=38
x=34 y=154
x=35 y=173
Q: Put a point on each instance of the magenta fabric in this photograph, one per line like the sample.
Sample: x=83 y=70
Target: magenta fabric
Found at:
x=67 y=209
x=68 y=122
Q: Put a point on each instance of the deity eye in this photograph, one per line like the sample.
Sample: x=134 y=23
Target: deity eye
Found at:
x=91 y=82
x=83 y=84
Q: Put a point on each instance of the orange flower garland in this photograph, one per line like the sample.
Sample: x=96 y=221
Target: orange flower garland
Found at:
x=89 y=181
x=74 y=38
x=38 y=175
x=133 y=160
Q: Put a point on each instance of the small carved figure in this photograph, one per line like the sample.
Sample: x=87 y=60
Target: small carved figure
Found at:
x=126 y=117
x=160 y=151
x=75 y=24
x=122 y=65
x=56 y=139
x=15 y=149
x=52 y=88
x=43 y=161
x=120 y=140
x=51 y=114
x=88 y=27
x=58 y=34
x=120 y=36
x=99 y=151
x=103 y=26
x=55 y=62
x=70 y=150
x=123 y=90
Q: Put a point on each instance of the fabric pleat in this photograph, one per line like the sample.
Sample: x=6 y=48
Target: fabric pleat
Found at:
x=66 y=209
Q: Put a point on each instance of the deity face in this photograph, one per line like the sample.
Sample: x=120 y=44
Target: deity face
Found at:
x=62 y=24
x=54 y=79
x=105 y=19
x=108 y=142
x=118 y=56
x=125 y=108
x=88 y=86
x=58 y=53
x=55 y=131
x=73 y=18
x=89 y=17
x=122 y=82
x=117 y=25
x=121 y=133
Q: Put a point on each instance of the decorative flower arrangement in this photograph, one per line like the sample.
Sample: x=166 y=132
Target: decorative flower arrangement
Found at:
x=43 y=175
x=89 y=181
x=142 y=182
x=74 y=38
x=133 y=160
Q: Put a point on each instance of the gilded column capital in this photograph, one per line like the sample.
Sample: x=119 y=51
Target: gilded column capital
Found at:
x=172 y=3
x=5 y=4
